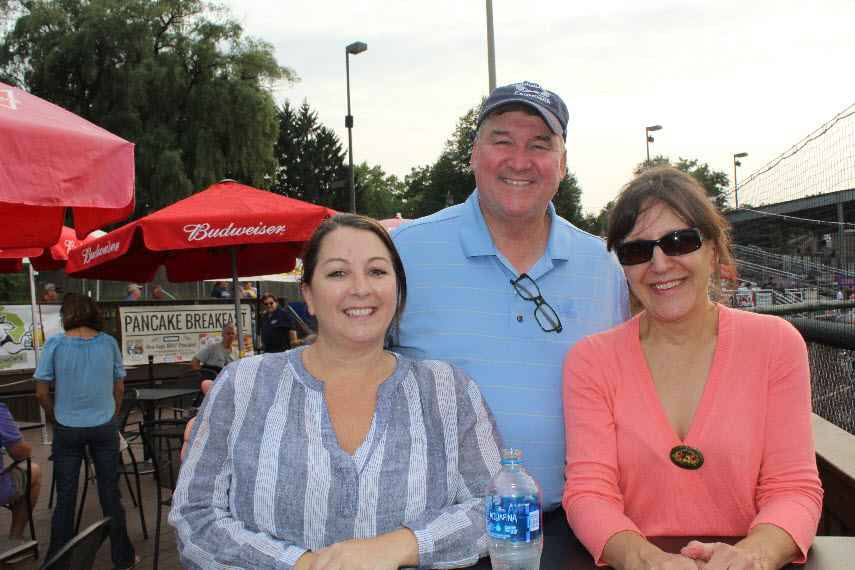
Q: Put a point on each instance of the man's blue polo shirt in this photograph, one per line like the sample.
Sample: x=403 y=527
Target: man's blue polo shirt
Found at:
x=462 y=308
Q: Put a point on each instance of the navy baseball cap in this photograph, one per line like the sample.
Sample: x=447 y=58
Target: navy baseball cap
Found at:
x=546 y=103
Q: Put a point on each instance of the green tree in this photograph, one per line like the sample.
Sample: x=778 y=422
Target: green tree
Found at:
x=715 y=182
x=428 y=187
x=596 y=224
x=378 y=194
x=310 y=160
x=567 y=200
x=14 y=287
x=176 y=77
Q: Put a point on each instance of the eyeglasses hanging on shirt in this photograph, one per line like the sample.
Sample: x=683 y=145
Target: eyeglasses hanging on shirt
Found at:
x=546 y=316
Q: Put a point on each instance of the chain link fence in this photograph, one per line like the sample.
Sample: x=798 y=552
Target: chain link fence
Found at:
x=832 y=373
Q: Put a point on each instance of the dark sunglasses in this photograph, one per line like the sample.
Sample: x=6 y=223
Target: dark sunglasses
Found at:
x=679 y=242
x=269 y=303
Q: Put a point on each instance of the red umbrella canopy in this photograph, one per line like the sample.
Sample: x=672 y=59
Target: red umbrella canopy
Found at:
x=392 y=223
x=12 y=260
x=53 y=159
x=193 y=237
x=43 y=259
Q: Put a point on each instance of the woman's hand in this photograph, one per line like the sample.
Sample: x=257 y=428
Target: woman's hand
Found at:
x=767 y=547
x=718 y=555
x=665 y=561
x=628 y=550
x=206 y=385
x=388 y=551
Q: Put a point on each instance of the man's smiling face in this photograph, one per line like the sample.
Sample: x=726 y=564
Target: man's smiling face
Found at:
x=518 y=163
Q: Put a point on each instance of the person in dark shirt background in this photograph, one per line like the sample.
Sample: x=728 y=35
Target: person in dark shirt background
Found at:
x=221 y=291
x=278 y=332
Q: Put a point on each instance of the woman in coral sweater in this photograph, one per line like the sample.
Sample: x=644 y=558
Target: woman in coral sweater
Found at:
x=691 y=419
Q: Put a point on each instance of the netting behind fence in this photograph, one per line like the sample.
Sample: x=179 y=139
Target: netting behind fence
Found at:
x=794 y=242
x=822 y=162
x=832 y=371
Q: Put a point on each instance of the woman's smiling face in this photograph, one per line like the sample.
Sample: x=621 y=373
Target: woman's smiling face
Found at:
x=671 y=288
x=353 y=294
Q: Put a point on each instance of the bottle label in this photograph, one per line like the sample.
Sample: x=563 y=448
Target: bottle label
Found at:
x=513 y=518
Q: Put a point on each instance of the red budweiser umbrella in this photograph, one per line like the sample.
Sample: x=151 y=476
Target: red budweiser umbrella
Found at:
x=228 y=229
x=52 y=159
x=192 y=238
x=44 y=259
x=12 y=260
x=392 y=223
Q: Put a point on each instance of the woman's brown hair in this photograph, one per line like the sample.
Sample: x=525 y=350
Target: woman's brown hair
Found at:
x=80 y=311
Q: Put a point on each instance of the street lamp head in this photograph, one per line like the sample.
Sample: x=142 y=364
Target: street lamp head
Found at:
x=352 y=49
x=647 y=131
x=355 y=48
x=735 y=185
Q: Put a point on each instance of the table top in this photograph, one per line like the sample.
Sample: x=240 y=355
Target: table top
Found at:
x=155 y=394
x=22 y=426
x=827 y=552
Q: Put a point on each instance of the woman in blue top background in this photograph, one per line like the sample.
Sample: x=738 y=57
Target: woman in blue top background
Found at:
x=85 y=366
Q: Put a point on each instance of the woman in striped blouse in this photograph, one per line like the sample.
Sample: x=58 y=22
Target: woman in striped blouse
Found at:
x=341 y=454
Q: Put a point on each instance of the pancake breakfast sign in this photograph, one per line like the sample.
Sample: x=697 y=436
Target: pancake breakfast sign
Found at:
x=175 y=333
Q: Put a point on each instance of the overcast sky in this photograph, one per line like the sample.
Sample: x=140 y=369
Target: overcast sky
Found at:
x=720 y=76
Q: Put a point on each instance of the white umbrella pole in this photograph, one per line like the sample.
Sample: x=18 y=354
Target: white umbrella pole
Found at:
x=36 y=337
x=238 y=314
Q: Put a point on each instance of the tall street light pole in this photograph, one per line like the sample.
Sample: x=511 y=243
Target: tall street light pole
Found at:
x=354 y=48
x=735 y=185
x=649 y=139
x=491 y=47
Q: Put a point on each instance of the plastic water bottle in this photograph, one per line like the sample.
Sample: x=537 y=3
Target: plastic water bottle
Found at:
x=514 y=516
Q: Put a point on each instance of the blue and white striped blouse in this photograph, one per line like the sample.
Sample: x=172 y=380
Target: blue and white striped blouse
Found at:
x=265 y=480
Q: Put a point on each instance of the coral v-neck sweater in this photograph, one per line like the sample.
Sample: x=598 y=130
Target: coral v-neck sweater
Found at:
x=753 y=426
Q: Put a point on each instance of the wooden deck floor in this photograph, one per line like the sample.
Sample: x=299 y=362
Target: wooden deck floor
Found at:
x=92 y=512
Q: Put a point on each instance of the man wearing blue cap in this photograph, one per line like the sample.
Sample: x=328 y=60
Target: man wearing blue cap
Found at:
x=502 y=287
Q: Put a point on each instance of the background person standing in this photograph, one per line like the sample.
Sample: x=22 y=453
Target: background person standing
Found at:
x=248 y=291
x=133 y=292
x=51 y=293
x=221 y=291
x=85 y=366
x=278 y=332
